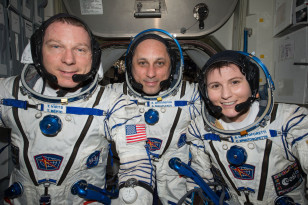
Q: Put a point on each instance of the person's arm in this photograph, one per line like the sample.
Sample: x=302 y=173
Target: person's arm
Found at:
x=296 y=130
x=200 y=160
x=136 y=173
x=5 y=93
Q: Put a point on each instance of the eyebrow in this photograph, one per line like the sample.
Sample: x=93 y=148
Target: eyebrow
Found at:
x=235 y=78
x=56 y=41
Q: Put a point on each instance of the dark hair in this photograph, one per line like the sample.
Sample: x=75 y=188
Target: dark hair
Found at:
x=130 y=54
x=249 y=69
x=37 y=42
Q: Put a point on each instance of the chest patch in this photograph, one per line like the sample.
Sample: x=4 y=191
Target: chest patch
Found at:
x=287 y=180
x=48 y=162
x=154 y=144
x=243 y=172
x=93 y=159
x=182 y=140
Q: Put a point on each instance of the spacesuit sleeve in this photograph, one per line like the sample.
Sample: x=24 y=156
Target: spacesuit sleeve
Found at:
x=128 y=132
x=5 y=92
x=200 y=160
x=296 y=128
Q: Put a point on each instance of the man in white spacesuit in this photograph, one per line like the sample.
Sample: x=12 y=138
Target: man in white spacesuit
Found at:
x=62 y=123
x=154 y=66
x=257 y=150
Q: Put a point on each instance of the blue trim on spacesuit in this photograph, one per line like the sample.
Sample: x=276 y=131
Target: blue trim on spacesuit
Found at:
x=193 y=99
x=195 y=129
x=287 y=129
x=299 y=138
x=211 y=136
x=68 y=110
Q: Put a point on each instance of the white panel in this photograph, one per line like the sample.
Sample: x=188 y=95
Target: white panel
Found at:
x=283 y=15
x=291 y=67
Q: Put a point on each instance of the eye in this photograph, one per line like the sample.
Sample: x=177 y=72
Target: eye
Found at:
x=54 y=46
x=82 y=50
x=235 y=82
x=214 y=86
x=160 y=63
x=142 y=63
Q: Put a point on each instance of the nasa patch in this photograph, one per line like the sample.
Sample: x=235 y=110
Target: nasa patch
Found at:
x=93 y=159
x=48 y=162
x=182 y=140
x=287 y=180
x=154 y=144
x=243 y=172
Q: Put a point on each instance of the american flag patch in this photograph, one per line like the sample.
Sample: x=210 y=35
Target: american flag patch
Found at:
x=135 y=133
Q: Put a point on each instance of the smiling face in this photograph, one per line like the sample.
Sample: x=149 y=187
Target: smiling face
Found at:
x=227 y=87
x=151 y=65
x=66 y=51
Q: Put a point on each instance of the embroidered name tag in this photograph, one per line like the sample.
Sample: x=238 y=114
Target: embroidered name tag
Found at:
x=160 y=104
x=252 y=136
x=54 y=108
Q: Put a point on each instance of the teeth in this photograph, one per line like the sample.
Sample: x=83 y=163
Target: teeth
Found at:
x=227 y=103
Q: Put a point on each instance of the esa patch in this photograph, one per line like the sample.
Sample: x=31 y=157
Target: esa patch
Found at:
x=48 y=162
x=93 y=159
x=182 y=140
x=154 y=144
x=287 y=180
x=243 y=172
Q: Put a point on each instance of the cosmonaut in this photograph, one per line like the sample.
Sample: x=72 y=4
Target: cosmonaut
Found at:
x=62 y=121
x=154 y=66
x=256 y=149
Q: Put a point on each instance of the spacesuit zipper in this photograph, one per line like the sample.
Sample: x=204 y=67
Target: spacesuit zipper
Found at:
x=247 y=199
x=45 y=198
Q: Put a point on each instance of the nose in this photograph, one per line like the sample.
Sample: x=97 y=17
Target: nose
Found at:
x=226 y=92
x=68 y=57
x=151 y=71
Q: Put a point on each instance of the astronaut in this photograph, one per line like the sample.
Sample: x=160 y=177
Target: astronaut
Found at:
x=62 y=121
x=255 y=148
x=154 y=65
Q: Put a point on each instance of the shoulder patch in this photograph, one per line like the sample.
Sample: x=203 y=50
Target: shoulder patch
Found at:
x=287 y=180
x=93 y=159
x=182 y=140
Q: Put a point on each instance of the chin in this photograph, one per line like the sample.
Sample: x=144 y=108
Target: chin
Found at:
x=151 y=91
x=68 y=85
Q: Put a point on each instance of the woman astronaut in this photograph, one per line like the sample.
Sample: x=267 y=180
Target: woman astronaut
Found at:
x=154 y=66
x=62 y=122
x=256 y=148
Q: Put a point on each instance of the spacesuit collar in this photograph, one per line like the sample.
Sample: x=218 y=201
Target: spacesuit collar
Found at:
x=32 y=85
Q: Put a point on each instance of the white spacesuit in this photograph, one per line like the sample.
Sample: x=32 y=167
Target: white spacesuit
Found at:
x=167 y=115
x=57 y=141
x=261 y=160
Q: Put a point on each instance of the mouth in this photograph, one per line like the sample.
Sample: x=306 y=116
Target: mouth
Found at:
x=66 y=73
x=151 y=83
x=228 y=103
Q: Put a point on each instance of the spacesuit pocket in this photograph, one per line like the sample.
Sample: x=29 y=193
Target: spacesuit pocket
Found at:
x=15 y=155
